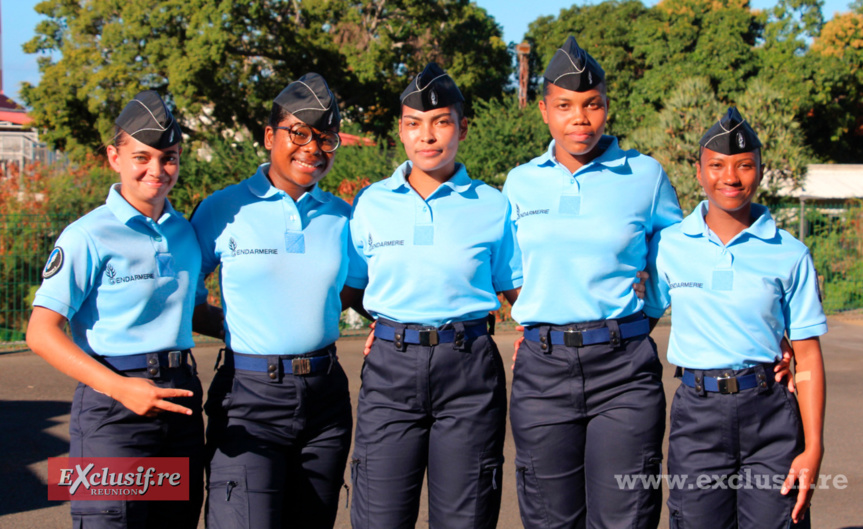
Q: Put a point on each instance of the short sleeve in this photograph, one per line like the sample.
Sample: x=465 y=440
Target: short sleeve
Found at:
x=666 y=207
x=506 y=267
x=656 y=297
x=804 y=315
x=358 y=266
x=202 y=223
x=69 y=274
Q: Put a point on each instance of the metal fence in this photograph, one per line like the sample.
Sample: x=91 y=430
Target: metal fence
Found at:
x=833 y=232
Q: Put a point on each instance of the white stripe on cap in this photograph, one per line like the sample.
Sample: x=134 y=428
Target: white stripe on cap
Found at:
x=426 y=86
x=724 y=133
x=315 y=96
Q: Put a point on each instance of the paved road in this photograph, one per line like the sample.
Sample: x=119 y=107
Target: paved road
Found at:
x=35 y=400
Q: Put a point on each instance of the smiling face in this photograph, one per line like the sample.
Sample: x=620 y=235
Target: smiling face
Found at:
x=147 y=174
x=576 y=121
x=730 y=181
x=295 y=168
x=431 y=140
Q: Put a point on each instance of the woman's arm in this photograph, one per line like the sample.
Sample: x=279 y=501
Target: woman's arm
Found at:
x=811 y=394
x=46 y=337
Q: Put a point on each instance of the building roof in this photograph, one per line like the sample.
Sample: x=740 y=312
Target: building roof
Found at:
x=12 y=112
x=831 y=181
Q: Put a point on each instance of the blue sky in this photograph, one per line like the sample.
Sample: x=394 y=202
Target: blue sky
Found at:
x=20 y=20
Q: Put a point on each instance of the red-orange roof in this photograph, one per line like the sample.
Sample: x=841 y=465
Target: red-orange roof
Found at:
x=13 y=112
x=350 y=139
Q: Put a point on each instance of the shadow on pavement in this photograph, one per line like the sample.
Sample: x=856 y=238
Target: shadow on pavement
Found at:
x=24 y=441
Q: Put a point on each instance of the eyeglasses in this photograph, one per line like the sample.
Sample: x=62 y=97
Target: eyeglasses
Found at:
x=303 y=135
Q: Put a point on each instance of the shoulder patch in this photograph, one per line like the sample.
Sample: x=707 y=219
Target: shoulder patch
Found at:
x=54 y=264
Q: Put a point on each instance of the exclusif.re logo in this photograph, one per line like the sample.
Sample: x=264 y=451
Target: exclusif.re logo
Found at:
x=128 y=478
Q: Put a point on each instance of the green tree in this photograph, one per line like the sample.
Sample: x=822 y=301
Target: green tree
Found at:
x=501 y=136
x=222 y=62
x=693 y=107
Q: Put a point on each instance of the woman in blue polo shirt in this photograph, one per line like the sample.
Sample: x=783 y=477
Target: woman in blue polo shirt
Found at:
x=279 y=409
x=587 y=402
x=124 y=278
x=433 y=249
x=738 y=442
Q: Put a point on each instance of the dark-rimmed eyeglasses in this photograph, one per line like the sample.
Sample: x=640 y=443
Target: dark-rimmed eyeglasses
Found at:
x=303 y=135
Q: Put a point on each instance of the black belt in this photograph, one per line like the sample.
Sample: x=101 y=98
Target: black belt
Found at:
x=580 y=338
x=316 y=362
x=432 y=335
x=726 y=384
x=152 y=362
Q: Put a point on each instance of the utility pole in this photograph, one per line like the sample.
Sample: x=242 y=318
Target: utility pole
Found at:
x=523 y=51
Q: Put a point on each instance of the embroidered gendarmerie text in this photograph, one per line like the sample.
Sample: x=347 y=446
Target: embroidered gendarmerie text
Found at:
x=114 y=279
x=519 y=213
x=236 y=250
x=382 y=244
x=685 y=284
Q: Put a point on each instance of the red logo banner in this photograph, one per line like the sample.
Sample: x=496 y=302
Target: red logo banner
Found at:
x=120 y=478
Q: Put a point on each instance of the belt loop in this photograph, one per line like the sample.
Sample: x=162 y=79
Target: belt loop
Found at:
x=274 y=368
x=399 y=337
x=153 y=370
x=699 y=382
x=331 y=352
x=614 y=338
x=678 y=372
x=190 y=360
x=545 y=338
x=459 y=342
x=763 y=378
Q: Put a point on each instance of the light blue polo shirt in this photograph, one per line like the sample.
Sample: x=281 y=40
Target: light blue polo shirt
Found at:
x=283 y=264
x=125 y=282
x=732 y=303
x=433 y=261
x=583 y=236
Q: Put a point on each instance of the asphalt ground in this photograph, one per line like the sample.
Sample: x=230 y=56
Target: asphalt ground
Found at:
x=34 y=425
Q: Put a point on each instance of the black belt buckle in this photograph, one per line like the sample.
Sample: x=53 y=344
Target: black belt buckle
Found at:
x=301 y=366
x=573 y=338
x=174 y=359
x=429 y=338
x=727 y=384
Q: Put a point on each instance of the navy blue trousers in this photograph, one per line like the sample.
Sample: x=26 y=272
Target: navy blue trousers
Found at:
x=729 y=455
x=582 y=419
x=277 y=448
x=102 y=427
x=440 y=408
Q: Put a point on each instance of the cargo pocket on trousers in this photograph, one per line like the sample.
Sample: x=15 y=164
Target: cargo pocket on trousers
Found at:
x=98 y=513
x=530 y=500
x=228 y=498
x=359 y=502
x=488 y=491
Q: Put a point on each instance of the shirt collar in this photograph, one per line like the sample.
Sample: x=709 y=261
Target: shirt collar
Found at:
x=763 y=227
x=612 y=156
x=260 y=186
x=458 y=182
x=125 y=212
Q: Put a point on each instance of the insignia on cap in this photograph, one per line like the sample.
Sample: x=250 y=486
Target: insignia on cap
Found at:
x=572 y=68
x=54 y=264
x=720 y=138
x=147 y=119
x=432 y=88
x=310 y=100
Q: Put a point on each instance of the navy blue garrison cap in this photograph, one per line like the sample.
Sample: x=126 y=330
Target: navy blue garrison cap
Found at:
x=731 y=135
x=432 y=88
x=148 y=120
x=310 y=100
x=572 y=68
